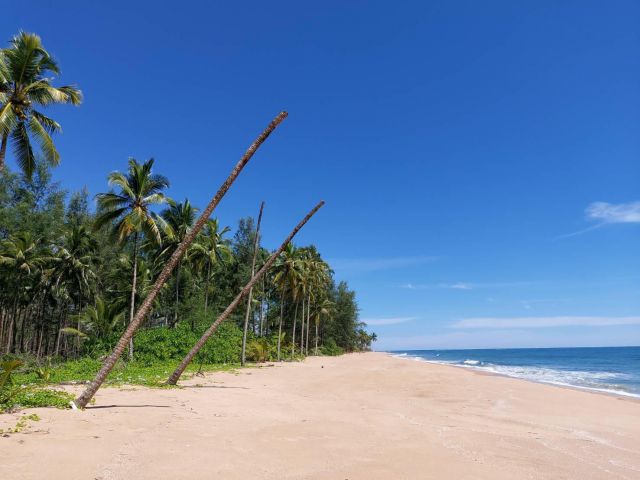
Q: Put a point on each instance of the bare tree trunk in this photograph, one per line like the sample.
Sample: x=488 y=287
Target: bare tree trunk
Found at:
x=206 y=287
x=306 y=348
x=175 y=308
x=317 y=322
x=280 y=323
x=132 y=308
x=110 y=361
x=256 y=244
x=302 y=326
x=293 y=334
x=262 y=297
x=3 y=150
x=172 y=380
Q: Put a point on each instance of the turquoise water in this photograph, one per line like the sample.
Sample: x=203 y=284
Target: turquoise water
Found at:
x=606 y=369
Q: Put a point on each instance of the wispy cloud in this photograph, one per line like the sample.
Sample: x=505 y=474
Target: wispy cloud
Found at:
x=606 y=214
x=375 y=264
x=611 y=213
x=464 y=285
x=387 y=321
x=543 y=322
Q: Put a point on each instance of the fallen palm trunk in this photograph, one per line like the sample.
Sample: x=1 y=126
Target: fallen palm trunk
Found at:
x=173 y=379
x=256 y=245
x=142 y=312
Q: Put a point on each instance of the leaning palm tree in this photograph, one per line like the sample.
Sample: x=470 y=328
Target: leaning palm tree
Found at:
x=129 y=215
x=173 y=378
x=140 y=315
x=209 y=250
x=25 y=82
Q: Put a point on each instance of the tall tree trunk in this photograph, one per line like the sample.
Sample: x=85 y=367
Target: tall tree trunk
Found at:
x=302 y=326
x=317 y=322
x=134 y=282
x=306 y=347
x=206 y=287
x=231 y=307
x=261 y=329
x=280 y=323
x=110 y=361
x=293 y=334
x=256 y=245
x=177 y=302
x=3 y=151
x=11 y=324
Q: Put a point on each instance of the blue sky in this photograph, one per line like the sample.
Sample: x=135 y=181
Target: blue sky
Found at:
x=462 y=147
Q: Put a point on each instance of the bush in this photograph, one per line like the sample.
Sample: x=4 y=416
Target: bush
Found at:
x=12 y=398
x=160 y=344
x=330 y=348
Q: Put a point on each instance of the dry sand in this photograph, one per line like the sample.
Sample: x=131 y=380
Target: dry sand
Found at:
x=361 y=416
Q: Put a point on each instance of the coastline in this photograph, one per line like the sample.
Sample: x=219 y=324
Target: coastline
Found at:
x=480 y=371
x=358 y=416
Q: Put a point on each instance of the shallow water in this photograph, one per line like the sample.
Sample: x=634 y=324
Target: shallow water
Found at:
x=606 y=369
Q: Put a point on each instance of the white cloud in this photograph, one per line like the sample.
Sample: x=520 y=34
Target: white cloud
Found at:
x=374 y=264
x=387 y=321
x=608 y=213
x=612 y=213
x=465 y=285
x=543 y=322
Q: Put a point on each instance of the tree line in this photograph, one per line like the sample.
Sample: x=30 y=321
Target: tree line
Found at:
x=72 y=278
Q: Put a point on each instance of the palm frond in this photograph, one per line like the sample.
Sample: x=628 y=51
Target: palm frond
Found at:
x=43 y=138
x=22 y=149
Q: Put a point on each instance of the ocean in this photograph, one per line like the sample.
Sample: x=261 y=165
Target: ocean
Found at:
x=613 y=370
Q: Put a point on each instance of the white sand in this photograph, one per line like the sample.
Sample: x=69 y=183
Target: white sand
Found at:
x=362 y=416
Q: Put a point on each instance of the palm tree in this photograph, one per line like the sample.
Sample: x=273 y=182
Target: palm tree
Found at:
x=179 y=218
x=74 y=266
x=287 y=279
x=210 y=249
x=22 y=255
x=256 y=246
x=100 y=320
x=173 y=378
x=25 y=71
x=134 y=324
x=128 y=212
x=325 y=308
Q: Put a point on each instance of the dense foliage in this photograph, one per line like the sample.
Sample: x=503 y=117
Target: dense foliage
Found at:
x=71 y=277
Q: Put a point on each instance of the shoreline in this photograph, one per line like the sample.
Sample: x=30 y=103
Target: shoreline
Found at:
x=358 y=416
x=477 y=370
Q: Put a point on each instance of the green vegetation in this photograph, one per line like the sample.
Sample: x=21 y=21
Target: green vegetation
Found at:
x=72 y=278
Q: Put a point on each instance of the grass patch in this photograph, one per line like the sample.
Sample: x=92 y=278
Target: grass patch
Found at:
x=30 y=387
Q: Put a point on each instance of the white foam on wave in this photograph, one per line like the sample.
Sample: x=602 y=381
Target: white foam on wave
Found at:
x=472 y=362
x=592 y=381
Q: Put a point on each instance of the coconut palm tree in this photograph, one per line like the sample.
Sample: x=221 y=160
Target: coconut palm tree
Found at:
x=23 y=256
x=26 y=69
x=287 y=279
x=173 y=378
x=256 y=246
x=209 y=250
x=129 y=215
x=162 y=278
x=179 y=218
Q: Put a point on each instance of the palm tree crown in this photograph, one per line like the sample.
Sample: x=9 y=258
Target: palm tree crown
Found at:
x=24 y=83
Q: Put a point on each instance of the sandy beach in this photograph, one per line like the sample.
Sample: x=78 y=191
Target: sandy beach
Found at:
x=359 y=416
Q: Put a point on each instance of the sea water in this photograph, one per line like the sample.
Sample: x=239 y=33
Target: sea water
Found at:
x=613 y=370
